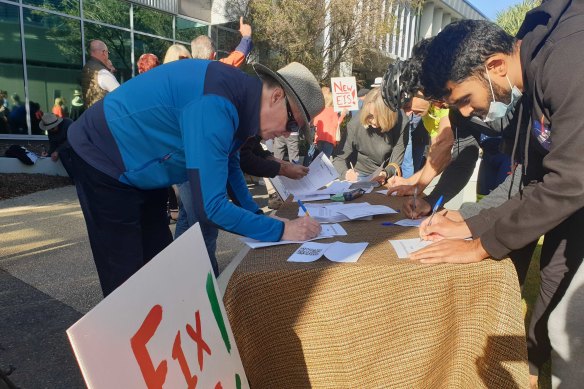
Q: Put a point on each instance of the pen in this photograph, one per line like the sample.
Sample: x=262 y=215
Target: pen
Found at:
x=303 y=207
x=352 y=167
x=415 y=195
x=436 y=206
x=388 y=224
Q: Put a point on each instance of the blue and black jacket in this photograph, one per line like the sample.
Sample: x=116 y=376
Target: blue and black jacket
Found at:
x=182 y=120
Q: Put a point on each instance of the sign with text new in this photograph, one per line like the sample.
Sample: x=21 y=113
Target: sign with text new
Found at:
x=164 y=327
x=344 y=93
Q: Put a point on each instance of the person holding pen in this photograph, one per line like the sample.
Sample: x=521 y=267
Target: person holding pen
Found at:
x=374 y=136
x=537 y=69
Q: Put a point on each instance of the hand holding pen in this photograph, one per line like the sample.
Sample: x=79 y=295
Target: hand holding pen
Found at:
x=436 y=207
x=302 y=228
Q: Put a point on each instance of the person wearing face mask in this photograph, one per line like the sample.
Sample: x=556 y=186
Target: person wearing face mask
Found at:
x=375 y=136
x=549 y=142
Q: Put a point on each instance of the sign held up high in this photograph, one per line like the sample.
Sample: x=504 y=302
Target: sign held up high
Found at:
x=344 y=91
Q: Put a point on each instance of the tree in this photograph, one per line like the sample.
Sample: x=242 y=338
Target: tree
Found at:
x=321 y=34
x=511 y=19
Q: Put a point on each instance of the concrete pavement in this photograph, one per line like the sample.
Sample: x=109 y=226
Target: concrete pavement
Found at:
x=48 y=281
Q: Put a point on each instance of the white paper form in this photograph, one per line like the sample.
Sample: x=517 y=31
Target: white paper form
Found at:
x=340 y=212
x=321 y=172
x=404 y=247
x=368 y=210
x=336 y=252
x=327 y=231
x=312 y=197
x=410 y=222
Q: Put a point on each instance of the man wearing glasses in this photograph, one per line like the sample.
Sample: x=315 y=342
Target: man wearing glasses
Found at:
x=133 y=144
x=96 y=77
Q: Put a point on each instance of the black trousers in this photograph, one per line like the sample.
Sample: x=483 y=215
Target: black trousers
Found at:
x=127 y=226
x=561 y=255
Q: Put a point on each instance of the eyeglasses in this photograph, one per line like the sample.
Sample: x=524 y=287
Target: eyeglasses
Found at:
x=106 y=51
x=291 y=124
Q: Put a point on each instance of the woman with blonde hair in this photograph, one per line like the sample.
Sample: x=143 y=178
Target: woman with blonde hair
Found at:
x=327 y=124
x=176 y=52
x=377 y=136
x=60 y=109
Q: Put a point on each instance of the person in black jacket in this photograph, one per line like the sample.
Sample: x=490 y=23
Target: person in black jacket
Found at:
x=59 y=147
x=481 y=70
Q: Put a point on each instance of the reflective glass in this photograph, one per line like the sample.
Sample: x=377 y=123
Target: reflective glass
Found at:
x=12 y=109
x=187 y=30
x=53 y=61
x=115 y=12
x=152 y=21
x=70 y=7
x=145 y=44
x=119 y=45
x=225 y=40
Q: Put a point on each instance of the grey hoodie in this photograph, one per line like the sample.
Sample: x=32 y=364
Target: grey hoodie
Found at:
x=551 y=131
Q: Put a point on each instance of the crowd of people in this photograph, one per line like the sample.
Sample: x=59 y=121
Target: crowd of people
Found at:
x=197 y=124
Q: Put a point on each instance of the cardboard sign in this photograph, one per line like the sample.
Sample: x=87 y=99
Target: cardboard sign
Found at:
x=344 y=93
x=164 y=327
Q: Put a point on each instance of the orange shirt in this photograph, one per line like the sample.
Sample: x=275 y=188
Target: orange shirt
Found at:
x=326 y=124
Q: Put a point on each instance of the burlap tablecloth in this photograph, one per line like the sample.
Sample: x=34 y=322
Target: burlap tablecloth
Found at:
x=378 y=323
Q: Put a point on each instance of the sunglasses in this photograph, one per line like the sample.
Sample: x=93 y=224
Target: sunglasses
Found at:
x=291 y=124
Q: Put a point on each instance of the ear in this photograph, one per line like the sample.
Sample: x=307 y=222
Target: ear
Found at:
x=498 y=64
x=213 y=56
x=277 y=95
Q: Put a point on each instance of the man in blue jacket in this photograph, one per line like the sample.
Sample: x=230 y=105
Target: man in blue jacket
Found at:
x=182 y=121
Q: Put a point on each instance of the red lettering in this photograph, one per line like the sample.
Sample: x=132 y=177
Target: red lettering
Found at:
x=153 y=377
x=198 y=338
x=218 y=386
x=178 y=353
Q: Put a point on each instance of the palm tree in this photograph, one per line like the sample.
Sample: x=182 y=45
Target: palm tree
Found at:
x=511 y=19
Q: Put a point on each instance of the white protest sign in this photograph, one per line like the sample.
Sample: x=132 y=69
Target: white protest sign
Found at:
x=164 y=327
x=344 y=93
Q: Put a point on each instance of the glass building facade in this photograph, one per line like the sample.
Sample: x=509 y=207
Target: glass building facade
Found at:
x=45 y=44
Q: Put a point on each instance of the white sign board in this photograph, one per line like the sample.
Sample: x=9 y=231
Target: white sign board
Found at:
x=164 y=327
x=344 y=93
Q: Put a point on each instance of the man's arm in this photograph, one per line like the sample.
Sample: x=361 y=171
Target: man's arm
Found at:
x=237 y=57
x=254 y=160
x=106 y=80
x=207 y=149
x=561 y=191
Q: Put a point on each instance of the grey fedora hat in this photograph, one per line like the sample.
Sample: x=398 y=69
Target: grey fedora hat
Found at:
x=49 y=121
x=300 y=85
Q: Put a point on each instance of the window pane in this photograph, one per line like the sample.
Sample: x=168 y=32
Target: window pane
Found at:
x=187 y=30
x=119 y=45
x=54 y=61
x=70 y=7
x=13 y=114
x=152 y=22
x=225 y=40
x=145 y=44
x=116 y=12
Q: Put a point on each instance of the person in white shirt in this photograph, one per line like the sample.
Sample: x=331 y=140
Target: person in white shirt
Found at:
x=97 y=79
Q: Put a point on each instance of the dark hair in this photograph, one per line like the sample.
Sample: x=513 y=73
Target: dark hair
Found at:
x=412 y=69
x=460 y=51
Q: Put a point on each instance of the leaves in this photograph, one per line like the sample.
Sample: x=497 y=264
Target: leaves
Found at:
x=511 y=19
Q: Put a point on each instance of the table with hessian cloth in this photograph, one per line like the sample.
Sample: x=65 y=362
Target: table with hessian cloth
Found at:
x=381 y=322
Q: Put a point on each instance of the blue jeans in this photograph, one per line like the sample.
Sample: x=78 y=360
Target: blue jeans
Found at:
x=326 y=147
x=187 y=217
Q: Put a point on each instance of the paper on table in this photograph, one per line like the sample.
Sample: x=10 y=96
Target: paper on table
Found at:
x=256 y=244
x=336 y=252
x=369 y=210
x=333 y=230
x=327 y=231
x=321 y=173
x=312 y=197
x=404 y=247
x=377 y=171
x=339 y=212
x=410 y=222
x=384 y=192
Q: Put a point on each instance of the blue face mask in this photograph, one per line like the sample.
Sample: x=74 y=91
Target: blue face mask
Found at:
x=497 y=109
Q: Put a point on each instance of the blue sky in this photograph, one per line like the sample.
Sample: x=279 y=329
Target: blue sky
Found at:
x=490 y=7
